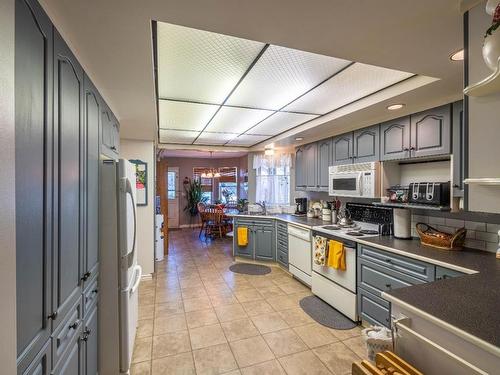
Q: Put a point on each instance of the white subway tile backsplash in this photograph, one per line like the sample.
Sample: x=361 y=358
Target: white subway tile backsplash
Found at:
x=419 y=219
x=454 y=223
x=488 y=237
x=436 y=220
x=491 y=246
x=475 y=225
x=444 y=228
x=470 y=234
x=492 y=228
x=475 y=244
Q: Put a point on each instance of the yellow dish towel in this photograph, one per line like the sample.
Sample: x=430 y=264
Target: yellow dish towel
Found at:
x=242 y=236
x=336 y=255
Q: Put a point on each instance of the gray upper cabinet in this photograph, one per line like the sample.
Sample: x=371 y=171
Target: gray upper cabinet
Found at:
x=431 y=132
x=342 y=149
x=324 y=160
x=68 y=178
x=458 y=149
x=110 y=133
x=395 y=139
x=300 y=180
x=92 y=125
x=33 y=119
x=264 y=243
x=309 y=166
x=367 y=144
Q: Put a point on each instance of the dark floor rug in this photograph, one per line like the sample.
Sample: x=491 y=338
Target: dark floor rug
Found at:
x=324 y=314
x=250 y=269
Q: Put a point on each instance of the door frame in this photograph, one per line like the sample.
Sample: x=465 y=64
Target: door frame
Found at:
x=177 y=196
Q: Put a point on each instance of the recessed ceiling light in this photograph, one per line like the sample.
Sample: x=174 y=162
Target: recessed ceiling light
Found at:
x=299 y=138
x=393 y=107
x=457 y=56
x=268 y=151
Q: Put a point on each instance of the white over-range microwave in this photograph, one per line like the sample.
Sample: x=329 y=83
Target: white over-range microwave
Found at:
x=355 y=180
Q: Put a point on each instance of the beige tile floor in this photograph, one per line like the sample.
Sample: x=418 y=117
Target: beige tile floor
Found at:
x=197 y=317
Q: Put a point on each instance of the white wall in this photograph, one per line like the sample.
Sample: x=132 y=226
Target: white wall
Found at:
x=145 y=151
x=7 y=192
x=484 y=118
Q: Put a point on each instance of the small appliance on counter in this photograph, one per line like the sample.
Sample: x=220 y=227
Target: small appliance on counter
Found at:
x=402 y=223
x=430 y=193
x=300 y=206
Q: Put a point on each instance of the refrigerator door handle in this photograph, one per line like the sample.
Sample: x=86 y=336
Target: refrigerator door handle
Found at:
x=128 y=190
x=138 y=271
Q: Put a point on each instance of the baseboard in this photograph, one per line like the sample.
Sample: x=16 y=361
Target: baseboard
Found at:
x=189 y=226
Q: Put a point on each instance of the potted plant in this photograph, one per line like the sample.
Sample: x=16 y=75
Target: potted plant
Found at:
x=242 y=204
x=194 y=195
x=491 y=45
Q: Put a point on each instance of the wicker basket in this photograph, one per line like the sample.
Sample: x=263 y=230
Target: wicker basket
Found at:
x=432 y=237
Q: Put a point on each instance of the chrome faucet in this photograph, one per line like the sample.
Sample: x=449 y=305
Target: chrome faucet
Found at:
x=263 y=206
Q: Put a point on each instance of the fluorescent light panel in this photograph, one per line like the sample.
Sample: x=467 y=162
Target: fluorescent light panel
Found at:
x=280 y=122
x=184 y=116
x=281 y=75
x=236 y=120
x=207 y=138
x=200 y=65
x=247 y=140
x=353 y=83
x=178 y=136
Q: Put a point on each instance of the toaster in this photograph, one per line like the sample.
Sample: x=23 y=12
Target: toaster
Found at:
x=430 y=193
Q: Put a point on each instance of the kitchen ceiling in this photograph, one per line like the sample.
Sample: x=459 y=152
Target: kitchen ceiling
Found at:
x=215 y=89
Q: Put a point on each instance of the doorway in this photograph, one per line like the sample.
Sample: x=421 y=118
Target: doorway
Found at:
x=173 y=197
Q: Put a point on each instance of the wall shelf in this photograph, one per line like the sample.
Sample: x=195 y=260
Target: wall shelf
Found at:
x=490 y=181
x=414 y=206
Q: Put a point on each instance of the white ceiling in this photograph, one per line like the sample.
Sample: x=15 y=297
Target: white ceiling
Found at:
x=112 y=40
x=201 y=154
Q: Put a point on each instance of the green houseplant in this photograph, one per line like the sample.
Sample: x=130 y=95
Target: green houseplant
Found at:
x=194 y=195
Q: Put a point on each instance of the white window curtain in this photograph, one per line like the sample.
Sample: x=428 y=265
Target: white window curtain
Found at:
x=272 y=178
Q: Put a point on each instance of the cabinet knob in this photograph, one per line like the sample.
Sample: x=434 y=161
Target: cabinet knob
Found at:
x=113 y=148
x=388 y=286
x=406 y=149
x=95 y=291
x=388 y=260
x=74 y=325
x=86 y=276
x=412 y=148
x=52 y=316
x=456 y=186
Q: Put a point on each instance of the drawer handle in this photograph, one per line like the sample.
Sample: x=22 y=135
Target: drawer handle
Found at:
x=388 y=286
x=74 y=325
x=86 y=334
x=388 y=260
x=95 y=291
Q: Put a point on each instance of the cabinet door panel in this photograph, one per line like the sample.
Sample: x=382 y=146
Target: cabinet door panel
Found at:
x=92 y=116
x=33 y=117
x=367 y=144
x=431 y=132
x=72 y=361
x=91 y=344
x=324 y=155
x=244 y=251
x=395 y=139
x=42 y=364
x=310 y=166
x=300 y=182
x=68 y=91
x=264 y=243
x=342 y=149
x=458 y=149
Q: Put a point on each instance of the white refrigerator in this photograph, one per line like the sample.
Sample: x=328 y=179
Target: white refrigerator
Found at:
x=119 y=272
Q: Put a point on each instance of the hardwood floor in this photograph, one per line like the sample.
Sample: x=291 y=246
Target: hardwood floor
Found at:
x=197 y=317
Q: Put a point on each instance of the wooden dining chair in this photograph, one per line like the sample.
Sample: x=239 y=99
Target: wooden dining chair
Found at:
x=203 y=217
x=215 y=222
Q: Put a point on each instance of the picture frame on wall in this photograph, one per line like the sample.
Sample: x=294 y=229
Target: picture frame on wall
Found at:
x=141 y=175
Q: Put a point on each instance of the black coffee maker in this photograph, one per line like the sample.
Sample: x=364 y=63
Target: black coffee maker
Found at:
x=301 y=206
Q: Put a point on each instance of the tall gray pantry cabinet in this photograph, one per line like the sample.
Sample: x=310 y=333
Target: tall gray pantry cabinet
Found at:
x=58 y=144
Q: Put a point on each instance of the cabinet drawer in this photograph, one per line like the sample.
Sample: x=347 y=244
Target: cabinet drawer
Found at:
x=412 y=267
x=282 y=243
x=42 y=364
x=254 y=221
x=283 y=257
x=445 y=273
x=282 y=227
x=377 y=279
x=373 y=309
x=90 y=297
x=66 y=332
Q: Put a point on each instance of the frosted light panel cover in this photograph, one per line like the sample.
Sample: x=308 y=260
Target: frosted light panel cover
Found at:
x=184 y=116
x=349 y=85
x=247 y=140
x=281 y=75
x=280 y=122
x=236 y=120
x=207 y=138
x=177 y=136
x=200 y=65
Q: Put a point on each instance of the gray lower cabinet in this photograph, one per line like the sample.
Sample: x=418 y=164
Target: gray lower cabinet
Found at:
x=246 y=250
x=33 y=183
x=323 y=162
x=261 y=239
x=446 y=273
x=282 y=243
x=91 y=344
x=431 y=132
x=342 y=149
x=265 y=243
x=366 y=144
x=458 y=149
x=380 y=271
x=72 y=361
x=395 y=139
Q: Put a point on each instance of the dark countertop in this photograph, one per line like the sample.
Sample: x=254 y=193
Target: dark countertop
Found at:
x=289 y=218
x=469 y=303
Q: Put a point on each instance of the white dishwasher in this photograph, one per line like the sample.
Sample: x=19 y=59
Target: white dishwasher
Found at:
x=300 y=253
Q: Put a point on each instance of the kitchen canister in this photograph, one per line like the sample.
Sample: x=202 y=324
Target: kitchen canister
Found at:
x=326 y=214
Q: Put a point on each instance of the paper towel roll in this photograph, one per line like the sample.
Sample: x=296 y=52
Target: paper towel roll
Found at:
x=402 y=223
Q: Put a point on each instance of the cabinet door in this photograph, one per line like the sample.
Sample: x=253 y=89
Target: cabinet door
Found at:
x=367 y=144
x=116 y=136
x=395 y=139
x=431 y=132
x=264 y=243
x=310 y=166
x=33 y=145
x=42 y=364
x=342 y=149
x=244 y=251
x=458 y=149
x=71 y=363
x=91 y=343
x=68 y=177
x=106 y=127
x=300 y=181
x=92 y=120
x=324 y=155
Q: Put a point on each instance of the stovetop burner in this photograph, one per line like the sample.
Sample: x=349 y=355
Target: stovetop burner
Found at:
x=355 y=234
x=368 y=231
x=331 y=227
